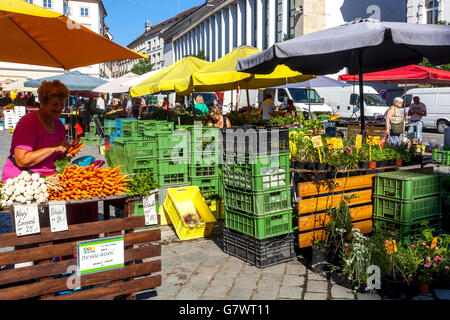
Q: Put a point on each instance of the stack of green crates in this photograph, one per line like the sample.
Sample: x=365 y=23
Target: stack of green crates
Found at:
x=405 y=200
x=257 y=195
x=441 y=157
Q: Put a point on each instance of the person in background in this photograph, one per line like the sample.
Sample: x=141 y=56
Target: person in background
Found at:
x=417 y=110
x=218 y=119
x=200 y=107
x=101 y=104
x=129 y=108
x=290 y=108
x=29 y=99
x=136 y=103
x=394 y=122
x=19 y=101
x=267 y=107
x=142 y=106
x=166 y=104
x=217 y=104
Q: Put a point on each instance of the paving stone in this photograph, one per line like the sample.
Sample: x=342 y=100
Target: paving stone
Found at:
x=291 y=280
x=168 y=289
x=263 y=296
x=251 y=269
x=178 y=278
x=341 y=292
x=216 y=291
x=239 y=294
x=290 y=292
x=278 y=268
x=246 y=282
x=268 y=286
x=295 y=268
x=315 y=296
x=272 y=276
x=442 y=294
x=211 y=298
x=222 y=282
x=216 y=262
x=189 y=293
x=209 y=271
x=368 y=296
x=317 y=286
x=232 y=267
x=315 y=276
x=198 y=282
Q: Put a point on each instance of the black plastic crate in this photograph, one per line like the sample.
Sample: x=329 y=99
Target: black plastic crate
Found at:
x=250 y=140
x=260 y=253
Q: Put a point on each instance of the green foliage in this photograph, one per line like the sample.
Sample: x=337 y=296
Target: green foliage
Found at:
x=338 y=229
x=142 y=66
x=61 y=164
x=201 y=55
x=142 y=184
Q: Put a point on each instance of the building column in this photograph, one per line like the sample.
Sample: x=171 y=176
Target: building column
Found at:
x=240 y=23
x=217 y=36
x=212 y=38
x=224 y=21
x=286 y=16
x=272 y=22
x=249 y=22
x=259 y=30
x=232 y=33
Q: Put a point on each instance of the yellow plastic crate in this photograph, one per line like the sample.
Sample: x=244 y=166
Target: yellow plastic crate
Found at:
x=216 y=206
x=181 y=201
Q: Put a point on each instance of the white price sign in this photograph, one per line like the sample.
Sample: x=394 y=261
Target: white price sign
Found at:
x=149 y=205
x=58 y=216
x=26 y=219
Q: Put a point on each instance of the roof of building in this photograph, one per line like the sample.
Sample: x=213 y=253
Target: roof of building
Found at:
x=163 y=24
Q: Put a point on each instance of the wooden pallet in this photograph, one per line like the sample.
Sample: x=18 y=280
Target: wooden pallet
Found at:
x=317 y=198
x=43 y=279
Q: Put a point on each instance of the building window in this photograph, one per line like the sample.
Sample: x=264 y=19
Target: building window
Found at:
x=84 y=12
x=67 y=11
x=433 y=12
x=29 y=1
x=47 y=3
x=279 y=22
x=291 y=19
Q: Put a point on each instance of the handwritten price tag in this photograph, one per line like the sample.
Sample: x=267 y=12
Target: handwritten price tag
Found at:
x=317 y=141
x=26 y=219
x=149 y=205
x=358 y=141
x=339 y=143
x=58 y=216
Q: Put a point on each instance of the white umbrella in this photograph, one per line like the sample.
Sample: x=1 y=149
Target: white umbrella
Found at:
x=18 y=86
x=135 y=81
x=116 y=85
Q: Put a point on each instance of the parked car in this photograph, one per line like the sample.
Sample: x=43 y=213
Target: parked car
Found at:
x=437 y=101
x=300 y=98
x=345 y=102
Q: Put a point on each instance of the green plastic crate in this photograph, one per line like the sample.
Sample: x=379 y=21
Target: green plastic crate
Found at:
x=258 y=203
x=407 y=185
x=142 y=163
x=407 y=211
x=405 y=231
x=259 y=227
x=137 y=148
x=209 y=186
x=171 y=145
x=155 y=126
x=265 y=173
x=204 y=158
x=171 y=172
x=199 y=171
x=441 y=156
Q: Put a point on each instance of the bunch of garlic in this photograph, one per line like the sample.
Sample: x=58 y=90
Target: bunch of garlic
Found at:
x=24 y=189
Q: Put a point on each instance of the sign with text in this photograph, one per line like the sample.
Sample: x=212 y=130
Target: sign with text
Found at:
x=100 y=255
x=335 y=143
x=149 y=205
x=317 y=141
x=358 y=141
x=58 y=216
x=26 y=219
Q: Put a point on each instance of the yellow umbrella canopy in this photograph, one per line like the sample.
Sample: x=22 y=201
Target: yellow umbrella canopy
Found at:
x=37 y=36
x=221 y=75
x=166 y=79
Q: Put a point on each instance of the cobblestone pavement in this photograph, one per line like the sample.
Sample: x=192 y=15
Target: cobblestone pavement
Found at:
x=200 y=270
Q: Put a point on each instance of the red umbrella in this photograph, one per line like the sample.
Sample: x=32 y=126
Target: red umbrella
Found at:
x=412 y=74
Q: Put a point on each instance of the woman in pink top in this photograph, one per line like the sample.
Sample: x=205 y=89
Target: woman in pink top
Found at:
x=39 y=137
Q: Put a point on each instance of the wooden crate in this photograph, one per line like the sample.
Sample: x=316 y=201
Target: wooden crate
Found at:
x=317 y=197
x=43 y=279
x=371 y=130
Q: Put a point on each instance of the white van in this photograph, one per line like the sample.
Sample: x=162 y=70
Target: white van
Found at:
x=345 y=101
x=300 y=98
x=437 y=101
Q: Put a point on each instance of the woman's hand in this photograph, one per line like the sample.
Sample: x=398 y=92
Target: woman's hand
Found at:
x=62 y=147
x=388 y=131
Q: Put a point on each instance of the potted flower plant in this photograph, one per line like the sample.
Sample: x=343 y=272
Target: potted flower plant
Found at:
x=363 y=157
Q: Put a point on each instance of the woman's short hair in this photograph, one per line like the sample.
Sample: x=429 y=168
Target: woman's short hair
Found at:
x=51 y=89
x=398 y=99
x=199 y=99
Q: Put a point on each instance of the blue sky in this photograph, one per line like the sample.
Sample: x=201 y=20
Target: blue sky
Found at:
x=126 y=18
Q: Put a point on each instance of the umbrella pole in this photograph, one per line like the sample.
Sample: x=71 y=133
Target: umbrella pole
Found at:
x=361 y=94
x=309 y=103
x=193 y=104
x=248 y=98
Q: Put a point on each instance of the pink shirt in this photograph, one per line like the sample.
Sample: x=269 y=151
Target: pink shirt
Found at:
x=30 y=135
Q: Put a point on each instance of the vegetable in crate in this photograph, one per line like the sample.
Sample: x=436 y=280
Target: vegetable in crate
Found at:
x=88 y=182
x=142 y=184
x=192 y=219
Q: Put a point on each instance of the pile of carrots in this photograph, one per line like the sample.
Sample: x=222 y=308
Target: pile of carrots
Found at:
x=75 y=147
x=89 y=182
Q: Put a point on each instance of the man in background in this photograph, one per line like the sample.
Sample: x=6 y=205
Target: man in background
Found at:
x=417 y=110
x=267 y=107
